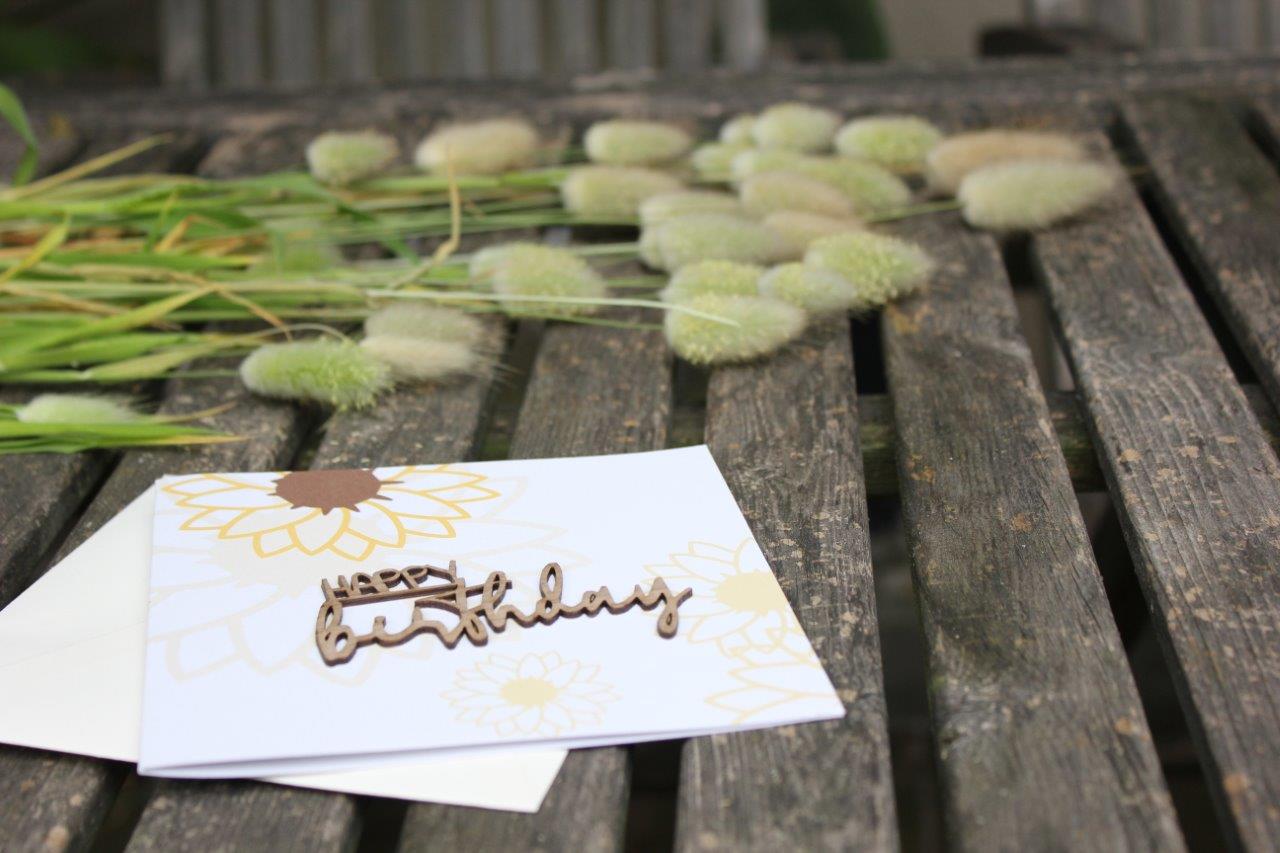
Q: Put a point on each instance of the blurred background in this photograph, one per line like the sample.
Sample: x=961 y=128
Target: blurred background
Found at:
x=250 y=44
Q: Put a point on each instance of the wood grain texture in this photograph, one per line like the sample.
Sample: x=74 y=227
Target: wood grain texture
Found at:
x=797 y=475
x=517 y=38
x=1041 y=735
x=577 y=35
x=593 y=390
x=295 y=43
x=407 y=26
x=1197 y=489
x=349 y=41
x=468 y=54
x=631 y=34
x=686 y=34
x=63 y=799
x=744 y=33
x=184 y=50
x=1222 y=199
x=239 y=35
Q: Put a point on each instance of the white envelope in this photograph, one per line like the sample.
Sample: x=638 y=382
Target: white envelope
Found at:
x=71 y=662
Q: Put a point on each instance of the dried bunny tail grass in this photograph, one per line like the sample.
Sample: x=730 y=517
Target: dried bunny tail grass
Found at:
x=739 y=130
x=769 y=192
x=957 y=156
x=420 y=360
x=899 y=143
x=795 y=127
x=665 y=206
x=425 y=323
x=336 y=373
x=343 y=158
x=818 y=291
x=1032 y=194
x=723 y=277
x=881 y=268
x=762 y=326
x=756 y=160
x=870 y=188
x=799 y=229
x=649 y=248
x=485 y=262
x=78 y=409
x=300 y=256
x=713 y=161
x=479 y=148
x=716 y=237
x=551 y=272
x=613 y=192
x=621 y=142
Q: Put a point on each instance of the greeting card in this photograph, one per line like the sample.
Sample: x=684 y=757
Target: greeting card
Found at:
x=323 y=619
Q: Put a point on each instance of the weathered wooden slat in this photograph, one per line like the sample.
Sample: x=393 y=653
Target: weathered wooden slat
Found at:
x=517 y=36
x=295 y=43
x=1232 y=24
x=1196 y=487
x=796 y=472
x=1222 y=199
x=744 y=33
x=1124 y=19
x=407 y=25
x=1050 y=12
x=184 y=50
x=593 y=390
x=577 y=35
x=1041 y=735
x=348 y=36
x=686 y=34
x=630 y=34
x=468 y=54
x=238 y=30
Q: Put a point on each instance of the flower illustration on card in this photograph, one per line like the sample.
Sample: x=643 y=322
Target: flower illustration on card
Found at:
x=770 y=678
x=349 y=513
x=538 y=694
x=745 y=605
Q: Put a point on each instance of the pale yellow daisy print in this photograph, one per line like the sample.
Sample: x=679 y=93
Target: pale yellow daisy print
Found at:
x=766 y=679
x=538 y=694
x=345 y=512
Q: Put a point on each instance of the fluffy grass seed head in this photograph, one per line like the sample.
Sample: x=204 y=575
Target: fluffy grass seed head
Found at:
x=879 y=267
x=763 y=326
x=479 y=148
x=756 y=160
x=713 y=161
x=769 y=192
x=660 y=208
x=336 y=373
x=416 y=321
x=957 y=156
x=739 y=130
x=799 y=228
x=623 y=142
x=613 y=192
x=870 y=188
x=299 y=256
x=818 y=291
x=487 y=261
x=552 y=271
x=1031 y=194
x=78 y=409
x=415 y=359
x=795 y=127
x=339 y=159
x=715 y=237
x=724 y=277
x=898 y=143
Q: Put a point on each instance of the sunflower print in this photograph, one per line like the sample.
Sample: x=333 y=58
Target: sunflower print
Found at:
x=538 y=694
x=350 y=513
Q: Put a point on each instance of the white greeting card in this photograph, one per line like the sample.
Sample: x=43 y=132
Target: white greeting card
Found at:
x=71 y=658
x=323 y=619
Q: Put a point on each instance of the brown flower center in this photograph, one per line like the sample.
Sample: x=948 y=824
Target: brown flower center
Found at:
x=331 y=489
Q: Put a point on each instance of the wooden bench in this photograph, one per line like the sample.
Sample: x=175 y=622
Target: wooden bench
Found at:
x=1165 y=304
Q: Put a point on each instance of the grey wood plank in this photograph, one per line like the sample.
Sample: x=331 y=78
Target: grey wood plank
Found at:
x=686 y=34
x=1124 y=19
x=517 y=36
x=630 y=34
x=468 y=54
x=1222 y=199
x=348 y=36
x=1175 y=24
x=577 y=35
x=744 y=33
x=1196 y=487
x=1048 y=12
x=796 y=471
x=239 y=33
x=407 y=25
x=593 y=390
x=184 y=50
x=294 y=43
x=1232 y=24
x=1270 y=27
x=1041 y=737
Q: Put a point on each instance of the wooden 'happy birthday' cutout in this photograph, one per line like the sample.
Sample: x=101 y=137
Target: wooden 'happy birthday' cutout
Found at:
x=338 y=643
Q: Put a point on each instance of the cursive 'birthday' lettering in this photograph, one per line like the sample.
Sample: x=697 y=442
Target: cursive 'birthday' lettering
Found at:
x=338 y=642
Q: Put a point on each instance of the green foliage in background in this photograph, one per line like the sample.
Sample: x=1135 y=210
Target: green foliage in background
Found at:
x=856 y=23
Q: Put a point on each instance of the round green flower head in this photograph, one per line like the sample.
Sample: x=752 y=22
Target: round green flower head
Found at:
x=795 y=127
x=762 y=326
x=479 y=148
x=549 y=271
x=817 y=291
x=724 y=277
x=77 y=409
x=403 y=319
x=799 y=229
x=956 y=156
x=613 y=192
x=716 y=237
x=621 y=142
x=768 y=192
x=880 y=267
x=870 y=188
x=713 y=161
x=739 y=130
x=416 y=359
x=339 y=159
x=660 y=208
x=898 y=143
x=488 y=260
x=756 y=160
x=1032 y=194
x=336 y=373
